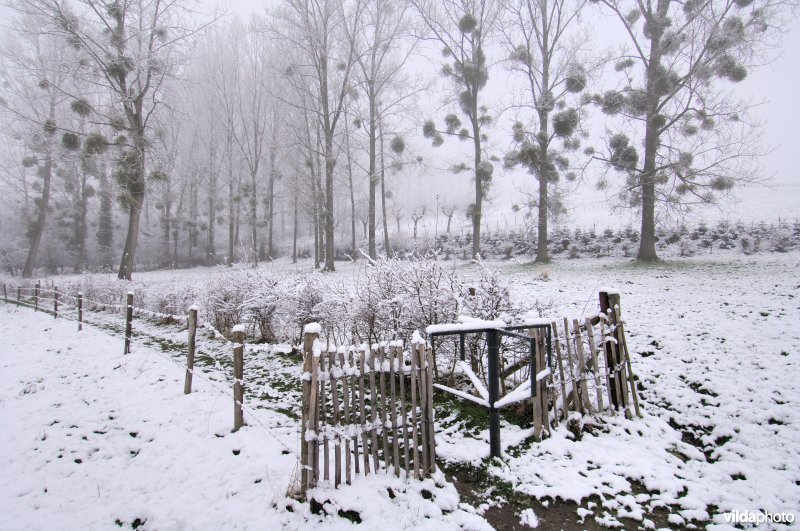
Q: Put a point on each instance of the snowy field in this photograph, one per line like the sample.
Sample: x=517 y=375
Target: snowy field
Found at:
x=92 y=437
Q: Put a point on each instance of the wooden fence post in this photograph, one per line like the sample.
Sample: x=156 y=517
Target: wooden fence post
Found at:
x=80 y=311
x=626 y=358
x=19 y=294
x=128 y=319
x=308 y=467
x=607 y=302
x=238 y=376
x=192 y=326
x=36 y=297
x=428 y=352
x=55 y=302
x=5 y=294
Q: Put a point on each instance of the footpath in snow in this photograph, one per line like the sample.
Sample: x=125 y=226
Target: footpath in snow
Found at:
x=94 y=439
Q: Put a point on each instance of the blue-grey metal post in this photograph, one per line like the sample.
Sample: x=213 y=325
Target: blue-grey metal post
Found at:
x=493 y=344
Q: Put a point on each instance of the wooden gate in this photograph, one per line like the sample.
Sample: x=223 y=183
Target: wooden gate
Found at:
x=371 y=408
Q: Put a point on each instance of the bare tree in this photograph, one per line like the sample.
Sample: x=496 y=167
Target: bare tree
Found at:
x=463 y=29
x=127 y=48
x=31 y=75
x=321 y=34
x=696 y=141
x=544 y=45
x=449 y=209
x=385 y=46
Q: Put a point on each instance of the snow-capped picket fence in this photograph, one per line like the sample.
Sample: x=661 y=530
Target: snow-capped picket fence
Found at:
x=582 y=368
x=368 y=405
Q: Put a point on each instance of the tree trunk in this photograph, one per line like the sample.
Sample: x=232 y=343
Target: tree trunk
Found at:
x=386 y=244
x=476 y=215
x=352 y=192
x=647 y=242
x=136 y=200
x=373 y=177
x=41 y=217
x=211 y=253
x=254 y=216
x=80 y=226
x=294 y=229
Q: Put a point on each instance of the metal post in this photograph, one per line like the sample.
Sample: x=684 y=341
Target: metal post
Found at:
x=128 y=319
x=533 y=367
x=461 y=345
x=493 y=344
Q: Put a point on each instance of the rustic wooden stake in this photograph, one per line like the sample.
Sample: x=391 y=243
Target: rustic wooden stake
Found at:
x=404 y=414
x=627 y=355
x=536 y=401
x=192 y=330
x=384 y=423
x=609 y=384
x=337 y=444
x=393 y=412
x=362 y=410
x=541 y=365
x=306 y=468
x=238 y=376
x=19 y=294
x=373 y=402
x=557 y=344
x=55 y=302
x=597 y=386
x=5 y=294
x=423 y=402
x=576 y=400
x=323 y=407
x=354 y=409
x=347 y=420
x=621 y=380
x=313 y=442
x=607 y=302
x=414 y=417
x=581 y=363
x=128 y=320
x=80 y=311
x=36 y=298
x=429 y=420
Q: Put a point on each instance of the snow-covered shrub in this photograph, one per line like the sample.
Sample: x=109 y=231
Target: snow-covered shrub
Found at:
x=175 y=299
x=224 y=301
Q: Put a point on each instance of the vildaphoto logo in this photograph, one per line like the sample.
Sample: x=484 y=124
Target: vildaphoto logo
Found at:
x=758 y=517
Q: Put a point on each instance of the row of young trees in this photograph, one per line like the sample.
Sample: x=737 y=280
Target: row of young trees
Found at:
x=200 y=124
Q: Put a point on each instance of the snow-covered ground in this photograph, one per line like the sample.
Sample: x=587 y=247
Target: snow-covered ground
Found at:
x=92 y=438
x=715 y=342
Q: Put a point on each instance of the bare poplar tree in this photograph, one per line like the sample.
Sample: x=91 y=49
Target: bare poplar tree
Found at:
x=686 y=138
x=128 y=49
x=463 y=29
x=544 y=46
x=321 y=35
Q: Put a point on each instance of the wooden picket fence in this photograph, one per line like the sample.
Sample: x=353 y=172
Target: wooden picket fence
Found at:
x=370 y=408
x=591 y=369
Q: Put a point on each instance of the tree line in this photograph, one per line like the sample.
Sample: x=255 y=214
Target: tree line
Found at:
x=129 y=119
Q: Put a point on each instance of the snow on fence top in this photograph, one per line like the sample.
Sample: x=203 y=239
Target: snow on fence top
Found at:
x=610 y=290
x=466 y=324
x=238 y=328
x=312 y=328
